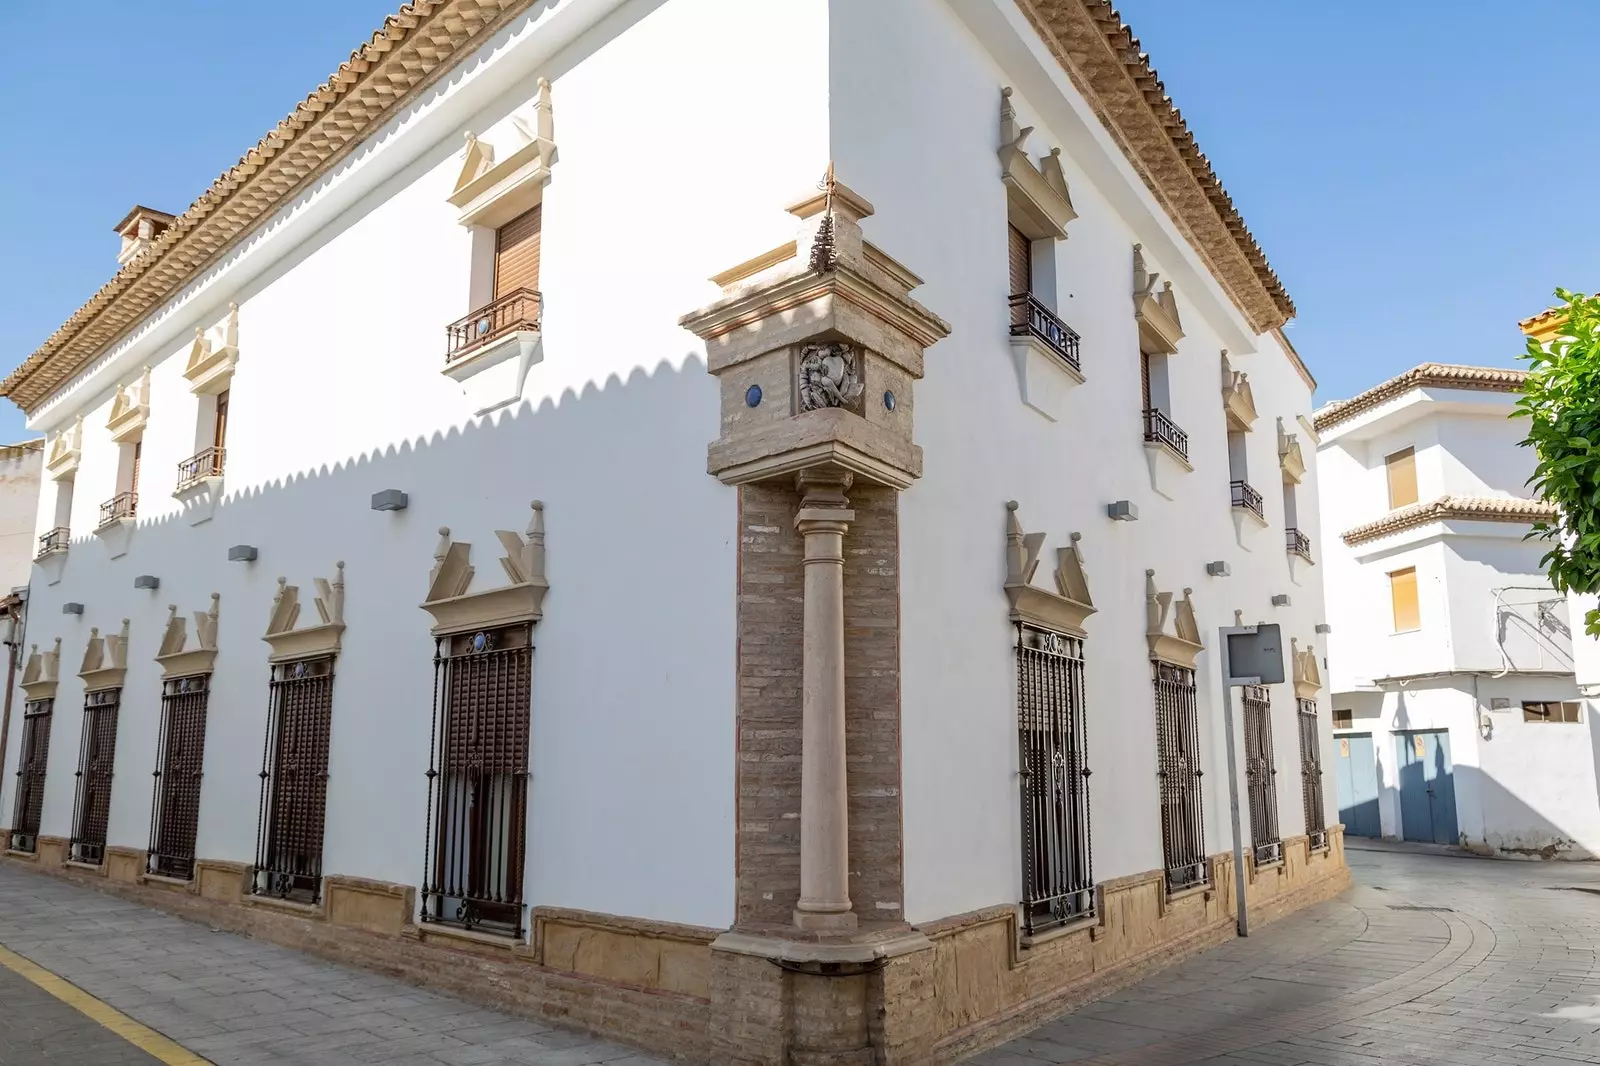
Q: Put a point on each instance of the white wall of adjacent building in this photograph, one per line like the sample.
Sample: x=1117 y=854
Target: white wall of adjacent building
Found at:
x=21 y=467
x=936 y=77
x=1492 y=633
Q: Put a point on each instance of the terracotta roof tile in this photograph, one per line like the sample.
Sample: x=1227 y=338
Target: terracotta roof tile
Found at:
x=1469 y=508
x=1434 y=375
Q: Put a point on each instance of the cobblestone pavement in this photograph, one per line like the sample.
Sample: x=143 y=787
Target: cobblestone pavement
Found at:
x=237 y=1001
x=1433 y=959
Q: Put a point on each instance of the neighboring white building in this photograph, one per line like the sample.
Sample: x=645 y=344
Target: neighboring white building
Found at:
x=1451 y=655
x=21 y=470
x=806 y=739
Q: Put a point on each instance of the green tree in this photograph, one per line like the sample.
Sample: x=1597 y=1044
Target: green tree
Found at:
x=1562 y=403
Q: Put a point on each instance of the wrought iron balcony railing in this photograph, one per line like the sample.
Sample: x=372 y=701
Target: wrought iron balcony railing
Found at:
x=1298 y=543
x=1163 y=430
x=1248 y=498
x=1030 y=318
x=207 y=462
x=55 y=541
x=122 y=505
x=517 y=309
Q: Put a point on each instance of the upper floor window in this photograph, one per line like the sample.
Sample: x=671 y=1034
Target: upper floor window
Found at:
x=1401 y=469
x=1403 y=599
x=1563 y=711
x=514 y=302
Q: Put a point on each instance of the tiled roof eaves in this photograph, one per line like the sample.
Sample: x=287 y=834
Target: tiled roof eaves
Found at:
x=1102 y=57
x=1463 y=508
x=412 y=49
x=1434 y=375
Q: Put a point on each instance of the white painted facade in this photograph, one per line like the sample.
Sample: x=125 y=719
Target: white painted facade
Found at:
x=1492 y=634
x=21 y=466
x=683 y=129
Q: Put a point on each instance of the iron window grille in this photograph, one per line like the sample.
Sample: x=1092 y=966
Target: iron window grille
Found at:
x=1247 y=497
x=1052 y=724
x=1261 y=775
x=97 y=753
x=1029 y=317
x=31 y=760
x=180 y=756
x=294 y=781
x=1183 y=841
x=1311 y=774
x=478 y=780
x=1159 y=428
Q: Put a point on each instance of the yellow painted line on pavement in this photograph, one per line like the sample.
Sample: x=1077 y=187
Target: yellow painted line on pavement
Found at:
x=140 y=1036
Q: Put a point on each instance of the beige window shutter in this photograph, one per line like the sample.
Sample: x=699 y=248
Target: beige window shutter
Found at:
x=516 y=254
x=1402 y=471
x=1403 y=595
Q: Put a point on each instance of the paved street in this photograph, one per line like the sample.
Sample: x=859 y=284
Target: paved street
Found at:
x=1432 y=960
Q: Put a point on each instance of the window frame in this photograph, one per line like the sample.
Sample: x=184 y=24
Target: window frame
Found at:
x=1538 y=712
x=1416 y=600
x=1391 y=463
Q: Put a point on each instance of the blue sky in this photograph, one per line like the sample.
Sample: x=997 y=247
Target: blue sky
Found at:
x=1417 y=178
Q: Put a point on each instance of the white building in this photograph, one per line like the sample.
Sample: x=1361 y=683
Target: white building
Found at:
x=821 y=706
x=1452 y=657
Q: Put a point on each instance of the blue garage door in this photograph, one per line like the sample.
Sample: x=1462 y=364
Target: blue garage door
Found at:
x=1427 y=788
x=1358 y=784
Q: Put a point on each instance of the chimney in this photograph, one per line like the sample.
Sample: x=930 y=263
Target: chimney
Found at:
x=141 y=226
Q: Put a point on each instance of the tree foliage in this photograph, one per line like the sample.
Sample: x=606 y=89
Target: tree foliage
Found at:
x=1562 y=403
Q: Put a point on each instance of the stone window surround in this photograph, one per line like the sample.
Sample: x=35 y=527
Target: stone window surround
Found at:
x=1063 y=611
x=65 y=449
x=105 y=660
x=130 y=410
x=42 y=673
x=455 y=610
x=288 y=643
x=175 y=661
x=1170 y=626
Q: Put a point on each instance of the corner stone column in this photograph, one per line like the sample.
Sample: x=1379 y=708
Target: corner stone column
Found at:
x=823 y=520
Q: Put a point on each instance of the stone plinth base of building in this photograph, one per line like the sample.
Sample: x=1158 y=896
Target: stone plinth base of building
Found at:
x=763 y=996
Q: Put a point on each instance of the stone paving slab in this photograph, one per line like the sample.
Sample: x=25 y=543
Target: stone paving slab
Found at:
x=237 y=1001
x=1433 y=959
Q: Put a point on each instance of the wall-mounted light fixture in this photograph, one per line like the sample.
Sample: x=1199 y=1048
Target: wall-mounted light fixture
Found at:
x=242 y=553
x=72 y=608
x=1122 y=511
x=147 y=581
x=389 y=500
x=1323 y=627
x=1218 y=569
x=1281 y=600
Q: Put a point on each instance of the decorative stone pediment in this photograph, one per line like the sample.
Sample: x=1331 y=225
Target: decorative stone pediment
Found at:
x=1037 y=197
x=1155 y=309
x=65 y=449
x=456 y=610
x=1063 y=610
x=1238 y=402
x=105 y=660
x=1307 y=675
x=43 y=671
x=211 y=361
x=175 y=657
x=492 y=191
x=289 y=643
x=1289 y=457
x=816 y=345
x=1170 y=625
x=130 y=410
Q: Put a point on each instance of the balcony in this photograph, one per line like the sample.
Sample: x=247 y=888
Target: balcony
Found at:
x=1159 y=429
x=1298 y=544
x=1030 y=318
x=516 y=311
x=1248 y=498
x=203 y=464
x=122 y=505
x=54 y=542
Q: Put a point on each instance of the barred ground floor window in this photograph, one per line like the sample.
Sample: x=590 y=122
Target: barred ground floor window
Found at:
x=97 y=753
x=1311 y=774
x=180 y=758
x=1183 y=839
x=294 y=781
x=1261 y=775
x=1057 y=882
x=478 y=780
x=31 y=760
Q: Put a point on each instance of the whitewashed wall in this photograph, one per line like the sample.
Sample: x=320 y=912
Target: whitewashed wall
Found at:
x=19 y=504
x=916 y=100
x=338 y=394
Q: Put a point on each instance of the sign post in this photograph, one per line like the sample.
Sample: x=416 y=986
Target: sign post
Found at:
x=1251 y=655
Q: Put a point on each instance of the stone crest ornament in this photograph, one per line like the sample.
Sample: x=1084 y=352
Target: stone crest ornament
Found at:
x=455 y=610
x=1170 y=625
x=43 y=671
x=175 y=657
x=1067 y=608
x=830 y=376
x=286 y=641
x=105 y=660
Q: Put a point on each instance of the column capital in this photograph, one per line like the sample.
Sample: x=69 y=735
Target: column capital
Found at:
x=824 y=507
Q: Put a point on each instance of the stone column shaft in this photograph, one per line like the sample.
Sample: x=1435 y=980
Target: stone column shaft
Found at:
x=823 y=520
